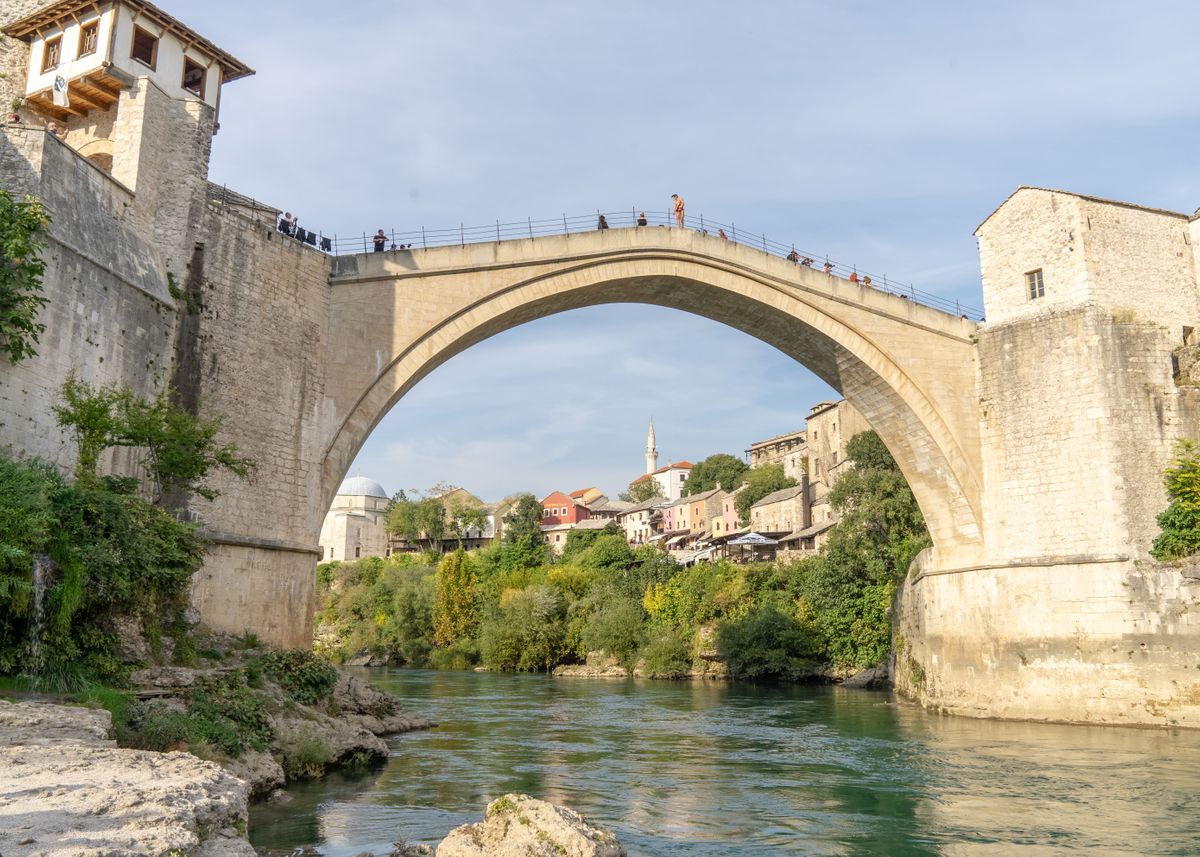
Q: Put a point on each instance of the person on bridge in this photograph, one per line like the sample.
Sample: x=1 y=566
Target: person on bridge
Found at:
x=828 y=268
x=793 y=256
x=853 y=276
x=641 y=219
x=721 y=234
x=866 y=279
x=380 y=241
x=678 y=209
x=602 y=223
x=807 y=261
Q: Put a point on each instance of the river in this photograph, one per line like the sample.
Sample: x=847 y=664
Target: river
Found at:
x=679 y=768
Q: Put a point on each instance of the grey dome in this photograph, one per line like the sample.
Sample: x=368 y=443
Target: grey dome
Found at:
x=361 y=486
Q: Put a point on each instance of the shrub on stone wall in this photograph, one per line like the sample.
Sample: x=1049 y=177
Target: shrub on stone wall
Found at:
x=22 y=231
x=1180 y=521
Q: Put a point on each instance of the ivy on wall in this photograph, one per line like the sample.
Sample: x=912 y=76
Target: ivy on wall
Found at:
x=22 y=230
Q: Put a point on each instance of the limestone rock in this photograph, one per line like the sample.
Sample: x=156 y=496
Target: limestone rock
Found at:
x=65 y=789
x=360 y=658
x=131 y=646
x=596 y=665
x=521 y=826
x=258 y=770
x=357 y=701
x=876 y=676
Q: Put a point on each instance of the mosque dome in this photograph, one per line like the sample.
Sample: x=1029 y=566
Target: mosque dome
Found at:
x=361 y=486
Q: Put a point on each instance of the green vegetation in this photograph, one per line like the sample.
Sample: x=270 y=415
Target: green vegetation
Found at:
x=761 y=481
x=107 y=556
x=23 y=226
x=303 y=676
x=641 y=489
x=1180 y=521
x=509 y=609
x=722 y=469
x=180 y=449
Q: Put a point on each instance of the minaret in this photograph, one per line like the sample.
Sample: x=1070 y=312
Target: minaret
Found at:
x=651 y=451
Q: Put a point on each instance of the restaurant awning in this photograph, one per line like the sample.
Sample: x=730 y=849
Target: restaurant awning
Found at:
x=754 y=539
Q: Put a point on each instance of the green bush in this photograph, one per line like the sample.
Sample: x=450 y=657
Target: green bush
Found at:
x=668 y=654
x=767 y=643
x=1180 y=521
x=304 y=677
x=305 y=756
x=526 y=632
x=617 y=627
x=108 y=554
x=459 y=655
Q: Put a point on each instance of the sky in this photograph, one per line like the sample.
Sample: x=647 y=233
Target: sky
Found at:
x=878 y=134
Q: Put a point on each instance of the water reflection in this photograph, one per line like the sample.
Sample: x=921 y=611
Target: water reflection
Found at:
x=732 y=769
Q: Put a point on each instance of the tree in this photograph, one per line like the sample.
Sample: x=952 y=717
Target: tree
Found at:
x=1180 y=521
x=415 y=520
x=721 y=469
x=760 y=482
x=180 y=449
x=850 y=586
x=456 y=601
x=522 y=545
x=642 y=489
x=464 y=516
x=22 y=229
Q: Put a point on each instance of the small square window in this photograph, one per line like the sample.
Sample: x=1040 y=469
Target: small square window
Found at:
x=51 y=53
x=193 y=77
x=145 y=47
x=89 y=38
x=1033 y=280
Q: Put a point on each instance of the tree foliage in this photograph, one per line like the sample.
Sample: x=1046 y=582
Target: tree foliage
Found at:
x=760 y=482
x=465 y=515
x=1180 y=521
x=768 y=643
x=415 y=520
x=721 y=469
x=22 y=231
x=179 y=449
x=642 y=489
x=851 y=584
x=456 y=602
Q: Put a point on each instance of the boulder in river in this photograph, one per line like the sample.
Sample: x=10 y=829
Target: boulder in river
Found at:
x=521 y=826
x=871 y=677
x=597 y=665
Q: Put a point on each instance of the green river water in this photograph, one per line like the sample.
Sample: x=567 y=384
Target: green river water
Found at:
x=680 y=768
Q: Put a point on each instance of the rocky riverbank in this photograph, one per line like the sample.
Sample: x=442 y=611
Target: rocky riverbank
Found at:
x=67 y=789
x=295 y=739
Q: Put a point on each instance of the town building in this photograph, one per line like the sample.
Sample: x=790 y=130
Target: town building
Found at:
x=703 y=510
x=356 y=524
x=781 y=512
x=670 y=479
x=559 y=508
x=829 y=427
x=556 y=535
x=638 y=521
x=790 y=450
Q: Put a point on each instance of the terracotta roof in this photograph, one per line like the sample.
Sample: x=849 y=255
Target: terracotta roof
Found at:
x=51 y=14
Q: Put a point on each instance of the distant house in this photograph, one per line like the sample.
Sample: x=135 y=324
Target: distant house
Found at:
x=670 y=479
x=781 y=512
x=703 y=509
x=790 y=450
x=555 y=535
x=638 y=520
x=559 y=508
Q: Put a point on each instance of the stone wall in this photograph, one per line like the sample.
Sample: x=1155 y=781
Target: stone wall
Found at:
x=1115 y=642
x=109 y=318
x=1079 y=415
x=1134 y=262
x=14 y=54
x=259 y=347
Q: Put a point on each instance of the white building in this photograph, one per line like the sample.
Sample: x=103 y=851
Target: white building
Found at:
x=88 y=62
x=356 y=524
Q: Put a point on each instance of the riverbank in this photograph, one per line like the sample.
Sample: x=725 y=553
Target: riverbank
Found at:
x=67 y=789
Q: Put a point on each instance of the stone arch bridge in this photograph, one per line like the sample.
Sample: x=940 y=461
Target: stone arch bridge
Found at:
x=396 y=316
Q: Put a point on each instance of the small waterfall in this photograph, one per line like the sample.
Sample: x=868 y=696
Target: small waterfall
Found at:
x=42 y=567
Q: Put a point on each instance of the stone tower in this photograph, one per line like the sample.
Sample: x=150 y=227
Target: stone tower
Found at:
x=651 y=450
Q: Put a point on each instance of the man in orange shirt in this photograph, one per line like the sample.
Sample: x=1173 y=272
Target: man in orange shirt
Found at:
x=678 y=209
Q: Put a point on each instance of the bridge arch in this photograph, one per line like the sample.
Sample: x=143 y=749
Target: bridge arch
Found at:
x=908 y=369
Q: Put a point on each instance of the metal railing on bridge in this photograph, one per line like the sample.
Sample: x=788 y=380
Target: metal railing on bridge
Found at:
x=530 y=228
